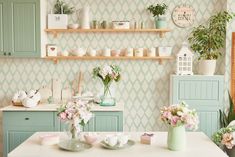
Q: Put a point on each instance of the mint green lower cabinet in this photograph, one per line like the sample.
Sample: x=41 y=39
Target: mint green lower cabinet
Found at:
x=105 y=122
x=203 y=93
x=18 y=126
x=102 y=122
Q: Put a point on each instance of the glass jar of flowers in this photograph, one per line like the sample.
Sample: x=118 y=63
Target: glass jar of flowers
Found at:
x=225 y=139
x=107 y=74
x=76 y=114
x=178 y=117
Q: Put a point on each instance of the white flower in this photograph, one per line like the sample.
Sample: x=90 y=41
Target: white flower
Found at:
x=106 y=71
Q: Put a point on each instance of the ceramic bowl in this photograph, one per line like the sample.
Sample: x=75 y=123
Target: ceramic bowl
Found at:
x=73 y=26
x=90 y=139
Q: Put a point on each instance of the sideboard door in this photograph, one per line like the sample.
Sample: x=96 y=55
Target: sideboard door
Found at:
x=203 y=93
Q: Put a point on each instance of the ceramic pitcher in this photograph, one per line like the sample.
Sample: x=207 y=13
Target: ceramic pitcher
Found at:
x=176 y=139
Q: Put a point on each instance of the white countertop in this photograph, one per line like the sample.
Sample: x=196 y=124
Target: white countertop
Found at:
x=53 y=107
x=198 y=144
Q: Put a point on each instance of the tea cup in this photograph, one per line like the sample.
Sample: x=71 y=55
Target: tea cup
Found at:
x=111 y=140
x=122 y=140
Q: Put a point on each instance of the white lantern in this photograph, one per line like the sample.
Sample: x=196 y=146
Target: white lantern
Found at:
x=184 y=61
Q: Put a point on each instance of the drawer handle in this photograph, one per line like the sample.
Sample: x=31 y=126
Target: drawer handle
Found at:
x=26 y=118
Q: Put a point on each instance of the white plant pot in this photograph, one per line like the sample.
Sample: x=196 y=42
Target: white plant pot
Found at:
x=57 y=21
x=207 y=67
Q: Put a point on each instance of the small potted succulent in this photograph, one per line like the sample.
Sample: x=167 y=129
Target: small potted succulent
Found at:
x=208 y=40
x=158 y=11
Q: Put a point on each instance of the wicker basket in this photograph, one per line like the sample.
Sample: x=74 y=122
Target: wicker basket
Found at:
x=17 y=103
x=20 y=103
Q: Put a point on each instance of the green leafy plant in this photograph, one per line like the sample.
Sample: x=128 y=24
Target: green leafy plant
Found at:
x=157 y=10
x=208 y=39
x=61 y=7
x=227 y=117
x=218 y=137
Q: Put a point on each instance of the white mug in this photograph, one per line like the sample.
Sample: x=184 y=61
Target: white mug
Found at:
x=91 y=52
x=129 y=52
x=151 y=52
x=111 y=140
x=107 y=52
x=139 y=52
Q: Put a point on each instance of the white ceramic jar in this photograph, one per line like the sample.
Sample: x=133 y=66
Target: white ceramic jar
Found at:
x=139 y=52
x=129 y=52
x=151 y=52
x=107 y=52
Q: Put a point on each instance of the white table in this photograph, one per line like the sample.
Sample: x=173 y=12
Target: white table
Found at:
x=198 y=145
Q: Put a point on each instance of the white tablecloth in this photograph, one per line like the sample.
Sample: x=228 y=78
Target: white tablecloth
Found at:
x=198 y=145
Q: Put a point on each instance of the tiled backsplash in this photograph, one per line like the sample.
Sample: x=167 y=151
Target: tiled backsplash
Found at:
x=145 y=84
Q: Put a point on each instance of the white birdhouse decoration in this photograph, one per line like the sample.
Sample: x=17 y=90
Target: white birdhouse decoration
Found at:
x=185 y=61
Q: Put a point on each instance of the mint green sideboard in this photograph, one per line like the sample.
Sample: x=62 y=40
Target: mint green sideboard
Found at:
x=20 y=28
x=19 y=125
x=204 y=93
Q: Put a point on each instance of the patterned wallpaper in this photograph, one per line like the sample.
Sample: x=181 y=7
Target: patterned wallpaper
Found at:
x=145 y=84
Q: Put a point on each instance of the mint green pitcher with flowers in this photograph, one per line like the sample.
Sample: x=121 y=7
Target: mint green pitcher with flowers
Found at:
x=176 y=138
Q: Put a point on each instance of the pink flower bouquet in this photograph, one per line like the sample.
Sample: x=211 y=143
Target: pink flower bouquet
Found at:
x=180 y=114
x=76 y=113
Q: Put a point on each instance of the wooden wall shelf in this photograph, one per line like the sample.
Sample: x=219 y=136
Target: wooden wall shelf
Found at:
x=55 y=32
x=56 y=59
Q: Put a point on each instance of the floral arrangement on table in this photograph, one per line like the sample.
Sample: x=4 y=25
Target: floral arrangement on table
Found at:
x=225 y=137
x=180 y=114
x=178 y=117
x=107 y=74
x=76 y=113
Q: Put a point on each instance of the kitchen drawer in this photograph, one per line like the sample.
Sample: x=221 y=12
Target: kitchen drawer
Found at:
x=28 y=118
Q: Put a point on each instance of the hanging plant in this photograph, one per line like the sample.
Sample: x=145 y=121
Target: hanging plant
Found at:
x=61 y=7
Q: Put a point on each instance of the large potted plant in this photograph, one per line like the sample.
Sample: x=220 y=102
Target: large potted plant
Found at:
x=158 y=12
x=208 y=40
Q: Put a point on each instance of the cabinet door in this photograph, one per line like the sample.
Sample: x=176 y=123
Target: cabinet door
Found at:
x=3 y=31
x=203 y=93
x=24 y=33
x=106 y=121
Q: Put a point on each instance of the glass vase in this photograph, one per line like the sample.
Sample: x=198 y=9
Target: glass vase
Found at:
x=107 y=99
x=176 y=138
x=73 y=130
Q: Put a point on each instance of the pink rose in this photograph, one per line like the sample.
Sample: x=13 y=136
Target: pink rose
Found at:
x=63 y=115
x=174 y=120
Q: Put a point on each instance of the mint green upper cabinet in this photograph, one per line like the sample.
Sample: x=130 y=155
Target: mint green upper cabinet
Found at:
x=3 y=18
x=25 y=27
x=22 y=28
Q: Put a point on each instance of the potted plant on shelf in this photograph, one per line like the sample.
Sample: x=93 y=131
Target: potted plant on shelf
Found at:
x=59 y=18
x=208 y=40
x=158 y=12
